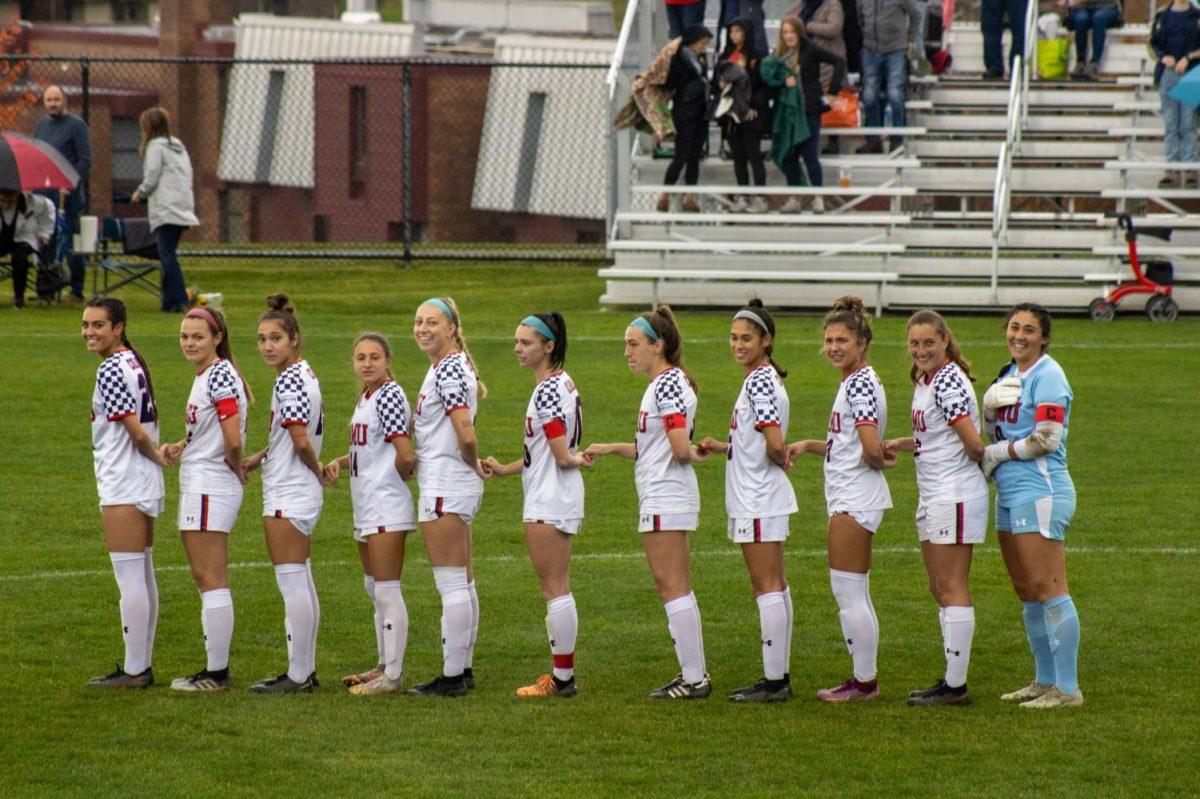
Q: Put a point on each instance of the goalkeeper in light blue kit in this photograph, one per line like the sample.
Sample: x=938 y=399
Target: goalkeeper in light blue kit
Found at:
x=1027 y=412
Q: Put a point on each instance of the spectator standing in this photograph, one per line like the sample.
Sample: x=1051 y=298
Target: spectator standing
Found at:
x=684 y=14
x=737 y=68
x=994 y=17
x=70 y=136
x=1096 y=16
x=890 y=30
x=747 y=11
x=26 y=224
x=1175 y=42
x=167 y=188
x=823 y=22
x=688 y=77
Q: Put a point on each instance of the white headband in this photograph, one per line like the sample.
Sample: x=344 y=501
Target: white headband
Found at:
x=753 y=317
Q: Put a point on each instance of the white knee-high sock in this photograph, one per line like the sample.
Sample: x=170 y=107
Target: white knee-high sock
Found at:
x=860 y=628
x=369 y=587
x=152 y=598
x=960 y=629
x=216 y=617
x=787 y=649
x=562 y=625
x=942 y=621
x=773 y=620
x=130 y=571
x=451 y=583
x=474 y=624
x=389 y=599
x=683 y=620
x=292 y=579
x=316 y=606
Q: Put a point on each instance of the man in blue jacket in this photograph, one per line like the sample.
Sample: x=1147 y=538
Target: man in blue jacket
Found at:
x=69 y=135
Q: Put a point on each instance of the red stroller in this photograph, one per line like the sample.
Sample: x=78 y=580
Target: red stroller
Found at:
x=1156 y=279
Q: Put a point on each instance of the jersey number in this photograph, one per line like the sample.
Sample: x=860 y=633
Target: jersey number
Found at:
x=578 y=436
x=828 y=450
x=148 y=414
x=641 y=425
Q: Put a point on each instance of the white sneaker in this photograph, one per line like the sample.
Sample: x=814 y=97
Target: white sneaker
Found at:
x=818 y=205
x=792 y=206
x=738 y=205
x=757 y=206
x=1055 y=698
x=380 y=685
x=1031 y=691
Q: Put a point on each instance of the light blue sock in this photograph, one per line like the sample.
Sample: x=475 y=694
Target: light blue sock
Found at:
x=1062 y=626
x=1039 y=642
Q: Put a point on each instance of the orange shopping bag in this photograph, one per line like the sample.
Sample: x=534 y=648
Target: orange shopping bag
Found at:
x=843 y=110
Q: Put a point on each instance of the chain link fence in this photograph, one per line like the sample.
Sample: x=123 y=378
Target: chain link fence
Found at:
x=395 y=160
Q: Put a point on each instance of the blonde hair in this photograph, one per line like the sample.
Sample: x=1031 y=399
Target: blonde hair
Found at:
x=926 y=316
x=791 y=57
x=460 y=343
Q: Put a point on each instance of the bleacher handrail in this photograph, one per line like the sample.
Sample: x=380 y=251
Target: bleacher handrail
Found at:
x=614 y=69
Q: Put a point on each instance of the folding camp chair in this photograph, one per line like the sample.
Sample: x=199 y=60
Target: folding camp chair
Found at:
x=120 y=239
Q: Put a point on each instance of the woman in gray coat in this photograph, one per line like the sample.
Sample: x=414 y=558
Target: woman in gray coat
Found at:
x=167 y=187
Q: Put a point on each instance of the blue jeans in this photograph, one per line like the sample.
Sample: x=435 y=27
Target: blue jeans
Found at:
x=72 y=207
x=991 y=22
x=810 y=151
x=680 y=18
x=1179 y=121
x=1098 y=21
x=174 y=292
x=879 y=69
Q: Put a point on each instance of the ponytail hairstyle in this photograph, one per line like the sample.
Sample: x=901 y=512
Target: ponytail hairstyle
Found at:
x=280 y=309
x=118 y=315
x=927 y=316
x=662 y=321
x=556 y=325
x=760 y=317
x=848 y=311
x=1043 y=317
x=460 y=342
x=217 y=325
x=381 y=340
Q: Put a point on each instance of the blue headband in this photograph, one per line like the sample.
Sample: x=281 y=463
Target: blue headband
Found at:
x=641 y=324
x=541 y=327
x=437 y=302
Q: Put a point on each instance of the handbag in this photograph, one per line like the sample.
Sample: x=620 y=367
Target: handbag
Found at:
x=1053 y=56
x=843 y=110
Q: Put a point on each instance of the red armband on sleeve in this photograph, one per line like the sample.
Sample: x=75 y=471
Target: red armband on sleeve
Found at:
x=675 y=421
x=226 y=407
x=554 y=428
x=1050 y=413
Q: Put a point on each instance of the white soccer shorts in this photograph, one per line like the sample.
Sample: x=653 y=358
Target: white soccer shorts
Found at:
x=869 y=520
x=434 y=508
x=953 y=522
x=208 y=512
x=568 y=526
x=656 y=522
x=361 y=534
x=755 y=531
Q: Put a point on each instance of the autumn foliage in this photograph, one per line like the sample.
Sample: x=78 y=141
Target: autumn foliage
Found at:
x=17 y=92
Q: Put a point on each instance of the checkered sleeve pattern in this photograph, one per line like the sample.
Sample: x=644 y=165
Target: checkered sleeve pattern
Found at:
x=953 y=395
x=760 y=390
x=222 y=383
x=114 y=389
x=451 y=381
x=548 y=401
x=392 y=408
x=291 y=398
x=668 y=393
x=860 y=394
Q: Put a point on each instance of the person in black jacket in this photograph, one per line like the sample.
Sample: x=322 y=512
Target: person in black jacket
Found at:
x=805 y=58
x=737 y=72
x=688 y=76
x=1175 y=42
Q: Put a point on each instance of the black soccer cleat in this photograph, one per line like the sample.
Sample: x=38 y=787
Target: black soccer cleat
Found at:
x=940 y=694
x=282 y=684
x=764 y=691
x=203 y=681
x=122 y=679
x=679 y=689
x=442 y=686
x=469 y=679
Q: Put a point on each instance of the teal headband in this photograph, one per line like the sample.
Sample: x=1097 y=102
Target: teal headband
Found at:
x=541 y=327
x=641 y=324
x=444 y=306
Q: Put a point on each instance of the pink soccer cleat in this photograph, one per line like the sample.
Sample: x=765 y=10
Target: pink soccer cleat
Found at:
x=851 y=691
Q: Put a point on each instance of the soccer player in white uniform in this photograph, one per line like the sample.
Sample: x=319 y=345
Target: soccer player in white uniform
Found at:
x=292 y=483
x=128 y=465
x=211 y=477
x=952 y=512
x=450 y=478
x=380 y=460
x=1027 y=413
x=668 y=497
x=553 y=486
x=856 y=493
x=758 y=495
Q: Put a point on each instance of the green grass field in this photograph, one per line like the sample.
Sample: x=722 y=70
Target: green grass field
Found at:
x=1133 y=560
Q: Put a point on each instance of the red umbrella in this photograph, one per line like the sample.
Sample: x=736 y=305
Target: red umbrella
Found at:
x=28 y=164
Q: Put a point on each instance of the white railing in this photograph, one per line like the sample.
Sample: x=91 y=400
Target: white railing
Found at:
x=621 y=142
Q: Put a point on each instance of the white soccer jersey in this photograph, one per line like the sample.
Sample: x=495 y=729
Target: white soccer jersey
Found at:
x=296 y=399
x=850 y=484
x=380 y=496
x=665 y=485
x=217 y=393
x=554 y=410
x=755 y=487
x=449 y=385
x=123 y=475
x=944 y=472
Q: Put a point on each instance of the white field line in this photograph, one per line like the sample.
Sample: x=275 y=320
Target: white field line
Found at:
x=631 y=555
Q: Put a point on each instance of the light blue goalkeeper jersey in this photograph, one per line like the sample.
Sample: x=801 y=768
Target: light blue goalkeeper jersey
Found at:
x=1044 y=391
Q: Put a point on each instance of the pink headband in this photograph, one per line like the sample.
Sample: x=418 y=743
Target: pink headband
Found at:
x=207 y=316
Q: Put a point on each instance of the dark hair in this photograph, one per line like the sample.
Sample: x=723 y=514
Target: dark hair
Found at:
x=1043 y=317
x=554 y=321
x=750 y=44
x=662 y=321
x=155 y=123
x=381 y=340
x=224 y=348
x=848 y=311
x=694 y=34
x=926 y=316
x=118 y=315
x=280 y=309
x=755 y=306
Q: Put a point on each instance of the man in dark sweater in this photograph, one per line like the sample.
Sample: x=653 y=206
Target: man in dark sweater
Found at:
x=69 y=135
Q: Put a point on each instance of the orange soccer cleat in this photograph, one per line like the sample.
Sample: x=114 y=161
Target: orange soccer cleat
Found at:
x=546 y=685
